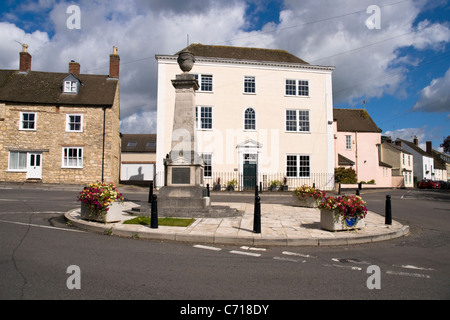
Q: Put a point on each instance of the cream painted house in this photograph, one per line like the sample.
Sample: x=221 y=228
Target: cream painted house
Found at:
x=261 y=115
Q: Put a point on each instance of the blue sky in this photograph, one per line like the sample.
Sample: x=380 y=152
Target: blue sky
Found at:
x=400 y=72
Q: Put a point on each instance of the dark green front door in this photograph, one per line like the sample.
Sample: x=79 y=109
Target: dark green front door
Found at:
x=249 y=176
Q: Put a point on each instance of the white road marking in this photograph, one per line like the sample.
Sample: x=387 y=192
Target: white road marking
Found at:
x=297 y=254
x=413 y=267
x=199 y=246
x=246 y=253
x=344 y=267
x=41 y=226
x=289 y=259
x=253 y=248
x=417 y=275
x=341 y=260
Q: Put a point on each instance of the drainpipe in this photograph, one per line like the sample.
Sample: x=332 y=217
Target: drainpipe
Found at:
x=103 y=147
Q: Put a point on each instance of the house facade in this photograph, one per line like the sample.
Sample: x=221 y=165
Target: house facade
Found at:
x=59 y=127
x=423 y=162
x=357 y=142
x=402 y=163
x=138 y=158
x=261 y=115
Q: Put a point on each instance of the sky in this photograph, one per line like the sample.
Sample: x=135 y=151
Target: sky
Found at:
x=391 y=57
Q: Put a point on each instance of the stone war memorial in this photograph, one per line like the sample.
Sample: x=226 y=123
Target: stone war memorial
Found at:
x=183 y=194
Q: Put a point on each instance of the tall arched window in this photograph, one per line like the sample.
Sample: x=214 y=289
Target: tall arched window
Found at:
x=249 y=119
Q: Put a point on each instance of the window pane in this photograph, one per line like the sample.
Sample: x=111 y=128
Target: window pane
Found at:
x=303 y=121
x=303 y=88
x=249 y=85
x=290 y=88
x=28 y=120
x=206 y=84
x=291 y=120
x=304 y=166
x=207 y=170
x=206 y=117
x=17 y=160
x=291 y=166
x=249 y=119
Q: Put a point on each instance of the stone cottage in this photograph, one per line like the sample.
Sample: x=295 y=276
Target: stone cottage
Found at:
x=59 y=127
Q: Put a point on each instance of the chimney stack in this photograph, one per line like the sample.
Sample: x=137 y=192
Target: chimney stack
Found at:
x=74 y=68
x=114 y=64
x=416 y=141
x=429 y=147
x=398 y=143
x=25 y=60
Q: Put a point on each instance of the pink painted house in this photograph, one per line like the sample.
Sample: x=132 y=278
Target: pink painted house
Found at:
x=357 y=145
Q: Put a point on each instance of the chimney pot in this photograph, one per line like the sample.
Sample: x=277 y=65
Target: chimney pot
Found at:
x=416 y=141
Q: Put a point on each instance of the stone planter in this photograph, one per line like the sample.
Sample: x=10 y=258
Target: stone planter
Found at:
x=114 y=213
x=308 y=202
x=333 y=221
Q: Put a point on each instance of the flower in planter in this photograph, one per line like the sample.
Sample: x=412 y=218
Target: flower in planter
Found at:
x=98 y=196
x=306 y=191
x=349 y=207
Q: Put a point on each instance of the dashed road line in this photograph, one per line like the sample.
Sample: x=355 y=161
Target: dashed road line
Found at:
x=199 y=246
x=288 y=259
x=253 y=248
x=297 y=254
x=343 y=266
x=413 y=267
x=416 y=275
x=245 y=253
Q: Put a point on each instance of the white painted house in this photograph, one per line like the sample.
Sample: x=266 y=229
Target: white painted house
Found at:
x=261 y=115
x=423 y=162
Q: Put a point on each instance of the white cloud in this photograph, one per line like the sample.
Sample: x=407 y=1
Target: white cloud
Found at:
x=436 y=96
x=368 y=62
x=408 y=134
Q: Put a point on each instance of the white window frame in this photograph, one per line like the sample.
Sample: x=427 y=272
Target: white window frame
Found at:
x=348 y=142
x=296 y=92
x=21 y=121
x=198 y=120
x=79 y=160
x=298 y=127
x=245 y=119
x=68 y=123
x=249 y=80
x=17 y=166
x=207 y=164
x=298 y=165
x=70 y=86
x=200 y=79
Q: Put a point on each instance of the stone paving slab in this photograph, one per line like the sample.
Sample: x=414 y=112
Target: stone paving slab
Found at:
x=282 y=225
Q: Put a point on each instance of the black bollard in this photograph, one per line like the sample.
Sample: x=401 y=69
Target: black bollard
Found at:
x=260 y=187
x=150 y=192
x=257 y=216
x=388 y=211
x=154 y=213
x=357 y=192
x=207 y=190
x=256 y=190
x=339 y=190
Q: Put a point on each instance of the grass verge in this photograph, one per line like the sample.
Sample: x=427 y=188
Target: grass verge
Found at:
x=171 y=222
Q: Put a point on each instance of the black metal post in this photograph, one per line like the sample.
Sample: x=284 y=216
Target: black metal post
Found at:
x=260 y=187
x=154 y=213
x=256 y=190
x=357 y=192
x=339 y=192
x=388 y=211
x=257 y=215
x=150 y=192
x=314 y=185
x=207 y=190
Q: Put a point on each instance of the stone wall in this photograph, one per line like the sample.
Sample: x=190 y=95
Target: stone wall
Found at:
x=50 y=137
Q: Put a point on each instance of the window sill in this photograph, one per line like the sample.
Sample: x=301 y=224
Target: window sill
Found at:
x=17 y=171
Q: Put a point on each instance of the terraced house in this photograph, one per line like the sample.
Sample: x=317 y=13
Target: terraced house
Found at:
x=59 y=127
x=261 y=115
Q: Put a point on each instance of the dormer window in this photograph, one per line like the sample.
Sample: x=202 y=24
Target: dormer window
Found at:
x=71 y=84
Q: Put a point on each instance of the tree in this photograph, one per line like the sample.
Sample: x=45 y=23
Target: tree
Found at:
x=446 y=145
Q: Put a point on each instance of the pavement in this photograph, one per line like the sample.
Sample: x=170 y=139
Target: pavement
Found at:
x=282 y=224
